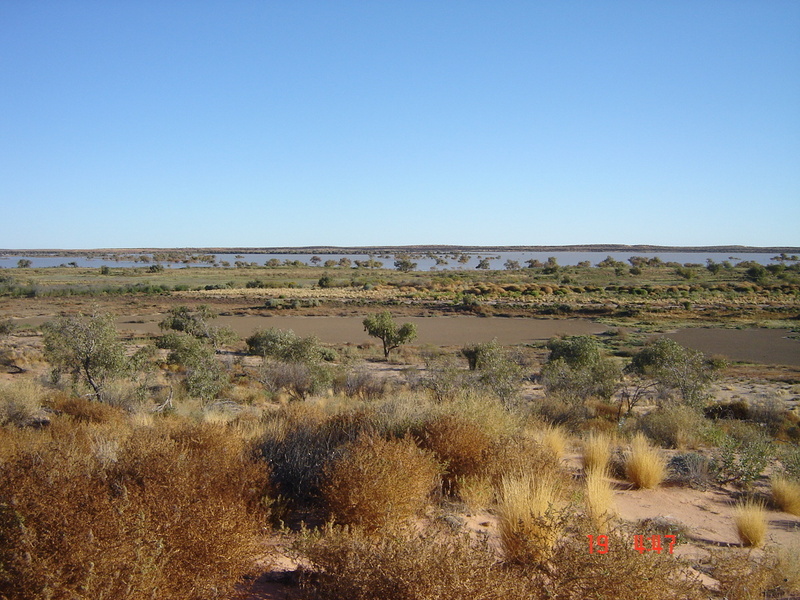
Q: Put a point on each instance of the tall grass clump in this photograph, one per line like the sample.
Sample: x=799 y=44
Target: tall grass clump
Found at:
x=21 y=404
x=554 y=439
x=750 y=519
x=786 y=494
x=529 y=517
x=645 y=466
x=169 y=512
x=596 y=452
x=599 y=500
x=376 y=483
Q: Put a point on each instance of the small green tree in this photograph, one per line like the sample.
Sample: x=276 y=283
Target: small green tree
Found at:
x=404 y=265
x=205 y=376
x=576 y=370
x=676 y=369
x=23 y=263
x=382 y=326
x=495 y=370
x=88 y=348
x=195 y=322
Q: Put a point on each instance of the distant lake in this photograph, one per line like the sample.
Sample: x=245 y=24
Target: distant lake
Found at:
x=425 y=262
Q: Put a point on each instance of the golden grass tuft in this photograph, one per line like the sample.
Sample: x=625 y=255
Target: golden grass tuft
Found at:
x=645 y=466
x=554 y=439
x=750 y=519
x=786 y=494
x=599 y=500
x=529 y=520
x=596 y=452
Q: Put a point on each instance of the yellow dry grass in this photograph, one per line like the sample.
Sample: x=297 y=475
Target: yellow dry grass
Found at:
x=528 y=516
x=786 y=494
x=599 y=500
x=645 y=466
x=750 y=519
x=596 y=452
x=554 y=438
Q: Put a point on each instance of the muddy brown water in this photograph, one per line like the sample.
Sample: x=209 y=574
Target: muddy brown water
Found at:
x=766 y=346
x=439 y=331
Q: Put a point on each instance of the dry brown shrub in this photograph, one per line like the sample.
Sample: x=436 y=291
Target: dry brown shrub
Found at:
x=460 y=443
x=742 y=575
x=87 y=411
x=435 y=565
x=299 y=445
x=349 y=563
x=622 y=573
x=175 y=514
x=21 y=404
x=519 y=455
x=377 y=483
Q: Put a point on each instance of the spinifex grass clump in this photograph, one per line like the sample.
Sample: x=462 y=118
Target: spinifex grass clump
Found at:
x=645 y=467
x=599 y=500
x=530 y=517
x=554 y=439
x=750 y=519
x=377 y=482
x=786 y=494
x=596 y=452
x=166 y=511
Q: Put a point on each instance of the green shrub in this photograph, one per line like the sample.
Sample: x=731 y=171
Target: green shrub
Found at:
x=674 y=426
x=360 y=383
x=743 y=454
x=576 y=370
x=299 y=379
x=287 y=346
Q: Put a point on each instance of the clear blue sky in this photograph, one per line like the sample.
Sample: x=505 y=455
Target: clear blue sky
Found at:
x=146 y=123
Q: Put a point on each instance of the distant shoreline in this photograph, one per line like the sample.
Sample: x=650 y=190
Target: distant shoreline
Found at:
x=411 y=249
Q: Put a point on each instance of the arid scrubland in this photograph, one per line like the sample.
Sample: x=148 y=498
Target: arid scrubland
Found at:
x=189 y=463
